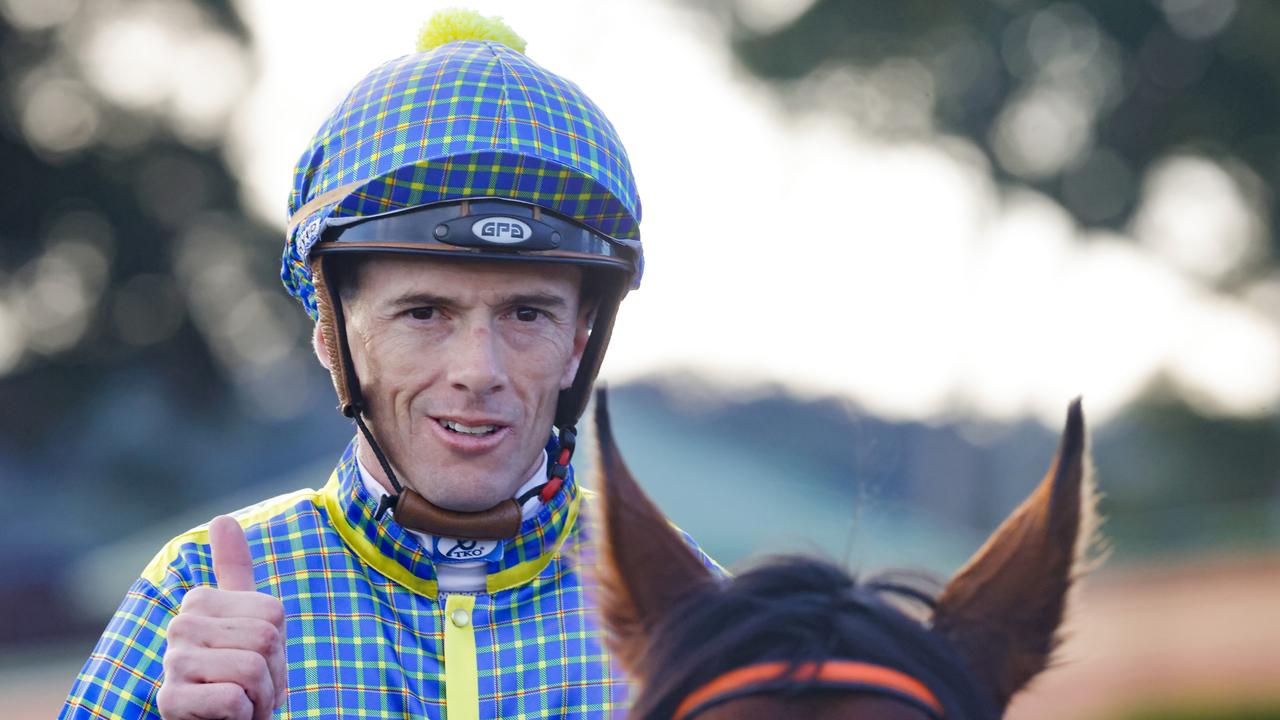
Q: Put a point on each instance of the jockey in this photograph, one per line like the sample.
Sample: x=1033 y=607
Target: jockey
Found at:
x=461 y=229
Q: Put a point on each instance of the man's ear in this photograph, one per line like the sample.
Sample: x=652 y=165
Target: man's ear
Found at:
x=320 y=344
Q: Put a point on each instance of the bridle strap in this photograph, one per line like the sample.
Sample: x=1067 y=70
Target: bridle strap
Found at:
x=834 y=674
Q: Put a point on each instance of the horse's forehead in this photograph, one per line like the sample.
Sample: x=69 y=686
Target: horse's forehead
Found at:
x=820 y=706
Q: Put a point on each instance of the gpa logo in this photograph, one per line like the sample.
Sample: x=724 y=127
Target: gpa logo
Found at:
x=501 y=230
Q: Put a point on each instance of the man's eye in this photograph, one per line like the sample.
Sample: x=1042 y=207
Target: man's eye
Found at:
x=527 y=314
x=423 y=313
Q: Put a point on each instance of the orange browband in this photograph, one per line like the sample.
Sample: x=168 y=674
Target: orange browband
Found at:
x=832 y=672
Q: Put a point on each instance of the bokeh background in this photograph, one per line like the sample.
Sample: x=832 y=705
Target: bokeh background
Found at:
x=888 y=242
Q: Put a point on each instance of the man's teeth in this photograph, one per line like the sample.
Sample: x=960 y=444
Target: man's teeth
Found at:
x=468 y=429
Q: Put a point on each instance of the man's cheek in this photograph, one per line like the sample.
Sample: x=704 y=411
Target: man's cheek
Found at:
x=569 y=368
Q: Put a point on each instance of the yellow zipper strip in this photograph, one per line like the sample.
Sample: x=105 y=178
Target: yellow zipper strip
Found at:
x=461 y=676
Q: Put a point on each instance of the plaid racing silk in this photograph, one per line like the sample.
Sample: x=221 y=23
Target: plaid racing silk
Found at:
x=468 y=119
x=367 y=633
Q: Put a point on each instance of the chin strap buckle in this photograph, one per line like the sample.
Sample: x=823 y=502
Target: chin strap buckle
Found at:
x=387 y=502
x=559 y=470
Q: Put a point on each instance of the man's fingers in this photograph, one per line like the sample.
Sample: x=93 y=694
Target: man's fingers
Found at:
x=239 y=633
x=232 y=564
x=244 y=668
x=208 y=700
x=211 y=602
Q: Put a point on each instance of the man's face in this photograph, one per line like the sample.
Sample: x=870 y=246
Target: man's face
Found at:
x=460 y=363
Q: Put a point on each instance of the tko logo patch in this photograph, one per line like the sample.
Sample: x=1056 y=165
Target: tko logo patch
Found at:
x=501 y=230
x=451 y=550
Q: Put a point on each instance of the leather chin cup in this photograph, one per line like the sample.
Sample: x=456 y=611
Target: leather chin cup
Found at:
x=414 y=512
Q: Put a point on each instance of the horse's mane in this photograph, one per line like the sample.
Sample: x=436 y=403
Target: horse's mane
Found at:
x=799 y=609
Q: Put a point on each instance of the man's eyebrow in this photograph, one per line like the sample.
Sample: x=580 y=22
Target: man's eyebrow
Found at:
x=423 y=299
x=545 y=300
x=420 y=299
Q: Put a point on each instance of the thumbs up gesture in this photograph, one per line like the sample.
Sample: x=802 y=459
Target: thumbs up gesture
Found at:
x=225 y=655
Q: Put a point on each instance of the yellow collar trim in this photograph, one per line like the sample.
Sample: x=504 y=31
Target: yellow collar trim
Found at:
x=159 y=566
x=509 y=578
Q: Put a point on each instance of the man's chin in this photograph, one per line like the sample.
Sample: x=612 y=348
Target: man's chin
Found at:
x=468 y=497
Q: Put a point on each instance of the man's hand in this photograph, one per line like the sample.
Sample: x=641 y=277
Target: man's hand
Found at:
x=226 y=645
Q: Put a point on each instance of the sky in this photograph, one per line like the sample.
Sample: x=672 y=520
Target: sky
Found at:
x=783 y=245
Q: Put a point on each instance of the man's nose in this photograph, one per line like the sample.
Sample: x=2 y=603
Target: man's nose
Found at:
x=475 y=362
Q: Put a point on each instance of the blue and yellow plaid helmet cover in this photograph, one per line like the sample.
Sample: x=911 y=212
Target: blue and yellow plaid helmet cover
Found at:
x=466 y=118
x=472 y=118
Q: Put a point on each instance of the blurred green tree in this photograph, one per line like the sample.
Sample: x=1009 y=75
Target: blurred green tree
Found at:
x=124 y=246
x=1079 y=100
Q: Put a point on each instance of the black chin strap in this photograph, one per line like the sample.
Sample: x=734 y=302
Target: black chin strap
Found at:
x=389 y=500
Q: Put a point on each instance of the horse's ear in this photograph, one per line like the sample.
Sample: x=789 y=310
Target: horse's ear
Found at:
x=645 y=566
x=1003 y=609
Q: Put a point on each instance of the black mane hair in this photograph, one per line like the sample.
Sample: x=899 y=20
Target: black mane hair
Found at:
x=799 y=609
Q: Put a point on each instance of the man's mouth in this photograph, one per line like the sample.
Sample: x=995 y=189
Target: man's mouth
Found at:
x=473 y=430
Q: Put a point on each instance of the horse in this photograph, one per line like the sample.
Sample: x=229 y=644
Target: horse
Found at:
x=799 y=637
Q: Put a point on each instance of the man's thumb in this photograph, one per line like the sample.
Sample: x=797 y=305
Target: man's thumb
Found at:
x=232 y=565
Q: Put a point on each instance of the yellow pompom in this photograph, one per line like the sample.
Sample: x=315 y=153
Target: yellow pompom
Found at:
x=456 y=24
